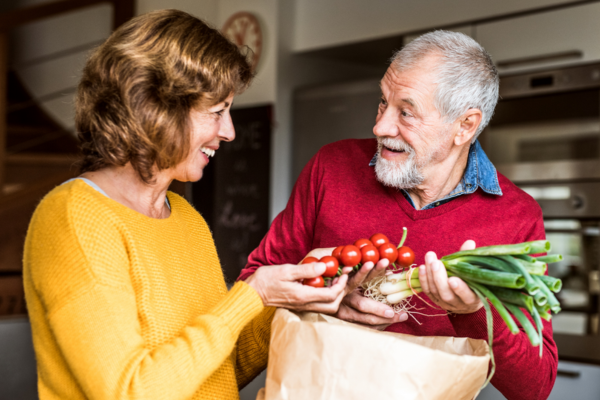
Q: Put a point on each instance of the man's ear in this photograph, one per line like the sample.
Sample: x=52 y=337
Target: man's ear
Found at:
x=469 y=123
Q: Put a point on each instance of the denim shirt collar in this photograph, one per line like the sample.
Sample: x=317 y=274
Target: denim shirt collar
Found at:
x=479 y=173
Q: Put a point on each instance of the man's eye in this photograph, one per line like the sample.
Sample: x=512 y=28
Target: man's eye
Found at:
x=220 y=113
x=405 y=114
x=382 y=102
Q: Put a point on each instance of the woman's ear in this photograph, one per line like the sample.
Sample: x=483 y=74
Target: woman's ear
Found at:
x=469 y=123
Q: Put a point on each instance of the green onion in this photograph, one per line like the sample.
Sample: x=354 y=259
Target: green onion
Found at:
x=486 y=277
x=490 y=326
x=539 y=246
x=525 y=257
x=525 y=323
x=531 y=286
x=552 y=283
x=510 y=323
x=504 y=249
x=483 y=261
x=550 y=258
x=534 y=268
x=552 y=301
x=540 y=327
x=540 y=298
x=513 y=297
x=543 y=311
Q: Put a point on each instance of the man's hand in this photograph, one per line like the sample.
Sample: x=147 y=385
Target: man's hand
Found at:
x=451 y=294
x=361 y=310
x=370 y=313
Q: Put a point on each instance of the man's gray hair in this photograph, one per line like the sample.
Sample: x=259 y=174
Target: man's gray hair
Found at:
x=466 y=75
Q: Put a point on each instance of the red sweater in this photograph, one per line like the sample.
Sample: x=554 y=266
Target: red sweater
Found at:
x=337 y=200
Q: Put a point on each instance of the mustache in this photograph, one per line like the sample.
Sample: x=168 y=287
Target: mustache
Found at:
x=394 y=144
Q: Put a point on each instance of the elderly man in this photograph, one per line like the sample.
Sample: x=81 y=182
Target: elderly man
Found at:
x=426 y=172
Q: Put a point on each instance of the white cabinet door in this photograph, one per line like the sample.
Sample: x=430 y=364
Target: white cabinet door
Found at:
x=554 y=38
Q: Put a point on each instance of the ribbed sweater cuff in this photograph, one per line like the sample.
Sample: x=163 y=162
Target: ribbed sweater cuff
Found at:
x=241 y=306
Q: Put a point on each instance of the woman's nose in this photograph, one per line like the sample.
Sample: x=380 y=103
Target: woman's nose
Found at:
x=227 y=131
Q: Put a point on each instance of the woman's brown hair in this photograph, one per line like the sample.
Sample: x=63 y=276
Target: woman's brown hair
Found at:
x=134 y=100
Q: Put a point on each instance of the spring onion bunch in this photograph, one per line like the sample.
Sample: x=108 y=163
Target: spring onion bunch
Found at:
x=507 y=277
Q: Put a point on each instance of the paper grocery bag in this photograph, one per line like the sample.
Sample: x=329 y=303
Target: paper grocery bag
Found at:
x=314 y=356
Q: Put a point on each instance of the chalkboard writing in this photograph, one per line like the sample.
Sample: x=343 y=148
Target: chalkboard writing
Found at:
x=238 y=182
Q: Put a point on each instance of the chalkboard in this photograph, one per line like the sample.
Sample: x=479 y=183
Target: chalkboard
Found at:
x=233 y=194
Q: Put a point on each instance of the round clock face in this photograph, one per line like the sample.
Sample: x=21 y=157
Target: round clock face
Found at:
x=243 y=29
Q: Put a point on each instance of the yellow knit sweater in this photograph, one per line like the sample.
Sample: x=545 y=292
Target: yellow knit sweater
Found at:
x=124 y=306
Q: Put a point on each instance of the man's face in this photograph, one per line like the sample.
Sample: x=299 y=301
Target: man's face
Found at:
x=411 y=133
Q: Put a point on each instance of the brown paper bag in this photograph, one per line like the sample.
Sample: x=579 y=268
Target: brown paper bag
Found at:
x=314 y=356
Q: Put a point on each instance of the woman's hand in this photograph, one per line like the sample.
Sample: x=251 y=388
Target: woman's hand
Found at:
x=451 y=294
x=280 y=286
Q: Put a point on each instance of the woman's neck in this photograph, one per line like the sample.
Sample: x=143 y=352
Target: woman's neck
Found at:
x=124 y=185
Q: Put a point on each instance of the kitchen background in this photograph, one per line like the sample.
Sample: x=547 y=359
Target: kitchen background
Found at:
x=317 y=82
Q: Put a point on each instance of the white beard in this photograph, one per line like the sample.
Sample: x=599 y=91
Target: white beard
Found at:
x=405 y=175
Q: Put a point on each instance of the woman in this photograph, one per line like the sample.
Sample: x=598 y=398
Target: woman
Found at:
x=125 y=292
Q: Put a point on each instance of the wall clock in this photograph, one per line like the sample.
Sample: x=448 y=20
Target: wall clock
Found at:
x=243 y=29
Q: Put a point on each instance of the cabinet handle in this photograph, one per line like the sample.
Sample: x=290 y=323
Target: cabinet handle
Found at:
x=563 y=55
x=568 y=374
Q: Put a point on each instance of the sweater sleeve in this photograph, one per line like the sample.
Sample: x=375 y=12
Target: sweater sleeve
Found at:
x=290 y=236
x=253 y=347
x=106 y=351
x=520 y=372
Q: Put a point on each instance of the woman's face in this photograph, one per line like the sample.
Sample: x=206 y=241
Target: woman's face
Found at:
x=208 y=128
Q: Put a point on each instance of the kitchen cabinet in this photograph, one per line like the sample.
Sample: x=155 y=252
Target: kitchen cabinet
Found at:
x=548 y=39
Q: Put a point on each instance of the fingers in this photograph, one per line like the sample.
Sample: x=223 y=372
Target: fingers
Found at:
x=324 y=300
x=436 y=280
x=368 y=306
x=367 y=272
x=303 y=271
x=348 y=313
x=463 y=291
x=360 y=275
x=430 y=261
x=468 y=245
x=346 y=270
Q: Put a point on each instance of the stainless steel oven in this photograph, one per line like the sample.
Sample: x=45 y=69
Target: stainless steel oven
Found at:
x=545 y=137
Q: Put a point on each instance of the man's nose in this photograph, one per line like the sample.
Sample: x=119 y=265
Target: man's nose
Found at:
x=227 y=131
x=386 y=125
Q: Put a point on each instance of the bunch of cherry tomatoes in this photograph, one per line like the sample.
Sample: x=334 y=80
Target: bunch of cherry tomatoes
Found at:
x=363 y=250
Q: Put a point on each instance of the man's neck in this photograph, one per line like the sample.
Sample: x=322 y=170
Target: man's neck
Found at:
x=441 y=179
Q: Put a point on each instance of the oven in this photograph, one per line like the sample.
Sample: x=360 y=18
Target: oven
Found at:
x=545 y=137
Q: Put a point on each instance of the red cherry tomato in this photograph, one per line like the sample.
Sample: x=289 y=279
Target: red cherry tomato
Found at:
x=337 y=253
x=360 y=243
x=332 y=265
x=350 y=255
x=309 y=260
x=315 y=282
x=406 y=257
x=389 y=251
x=378 y=239
x=369 y=253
